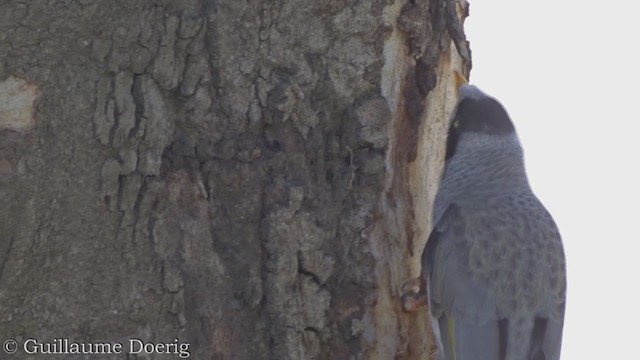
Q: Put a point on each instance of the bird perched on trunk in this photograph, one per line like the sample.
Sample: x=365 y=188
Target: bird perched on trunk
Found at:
x=493 y=269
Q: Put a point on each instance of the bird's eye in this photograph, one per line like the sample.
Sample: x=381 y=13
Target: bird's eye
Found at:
x=456 y=123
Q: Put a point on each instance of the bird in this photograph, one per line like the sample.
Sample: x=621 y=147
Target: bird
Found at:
x=493 y=268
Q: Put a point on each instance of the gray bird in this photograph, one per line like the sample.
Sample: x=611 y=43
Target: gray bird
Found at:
x=494 y=263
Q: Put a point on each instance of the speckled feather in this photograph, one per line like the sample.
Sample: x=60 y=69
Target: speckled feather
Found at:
x=496 y=257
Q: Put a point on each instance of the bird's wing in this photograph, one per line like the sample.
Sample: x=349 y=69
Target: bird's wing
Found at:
x=464 y=310
x=464 y=293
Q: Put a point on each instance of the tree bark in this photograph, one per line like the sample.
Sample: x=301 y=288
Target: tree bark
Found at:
x=252 y=177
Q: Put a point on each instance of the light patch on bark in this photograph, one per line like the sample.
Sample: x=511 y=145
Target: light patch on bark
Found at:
x=427 y=169
x=17 y=102
x=399 y=236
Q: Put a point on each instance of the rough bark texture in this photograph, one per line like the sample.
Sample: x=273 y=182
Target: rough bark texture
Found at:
x=252 y=177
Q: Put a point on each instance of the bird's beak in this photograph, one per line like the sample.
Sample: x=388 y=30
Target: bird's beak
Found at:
x=460 y=80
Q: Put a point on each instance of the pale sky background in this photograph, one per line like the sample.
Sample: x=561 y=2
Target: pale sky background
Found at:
x=568 y=74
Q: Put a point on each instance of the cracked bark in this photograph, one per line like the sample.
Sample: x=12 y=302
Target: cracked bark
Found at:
x=254 y=178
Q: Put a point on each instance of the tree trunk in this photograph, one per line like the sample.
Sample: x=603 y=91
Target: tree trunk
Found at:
x=253 y=178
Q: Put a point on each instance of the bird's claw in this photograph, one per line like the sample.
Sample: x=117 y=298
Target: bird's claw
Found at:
x=414 y=296
x=412 y=286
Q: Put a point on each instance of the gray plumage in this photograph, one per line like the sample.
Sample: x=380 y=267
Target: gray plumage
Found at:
x=494 y=262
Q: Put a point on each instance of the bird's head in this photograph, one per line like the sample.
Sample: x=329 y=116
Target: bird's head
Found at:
x=477 y=116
